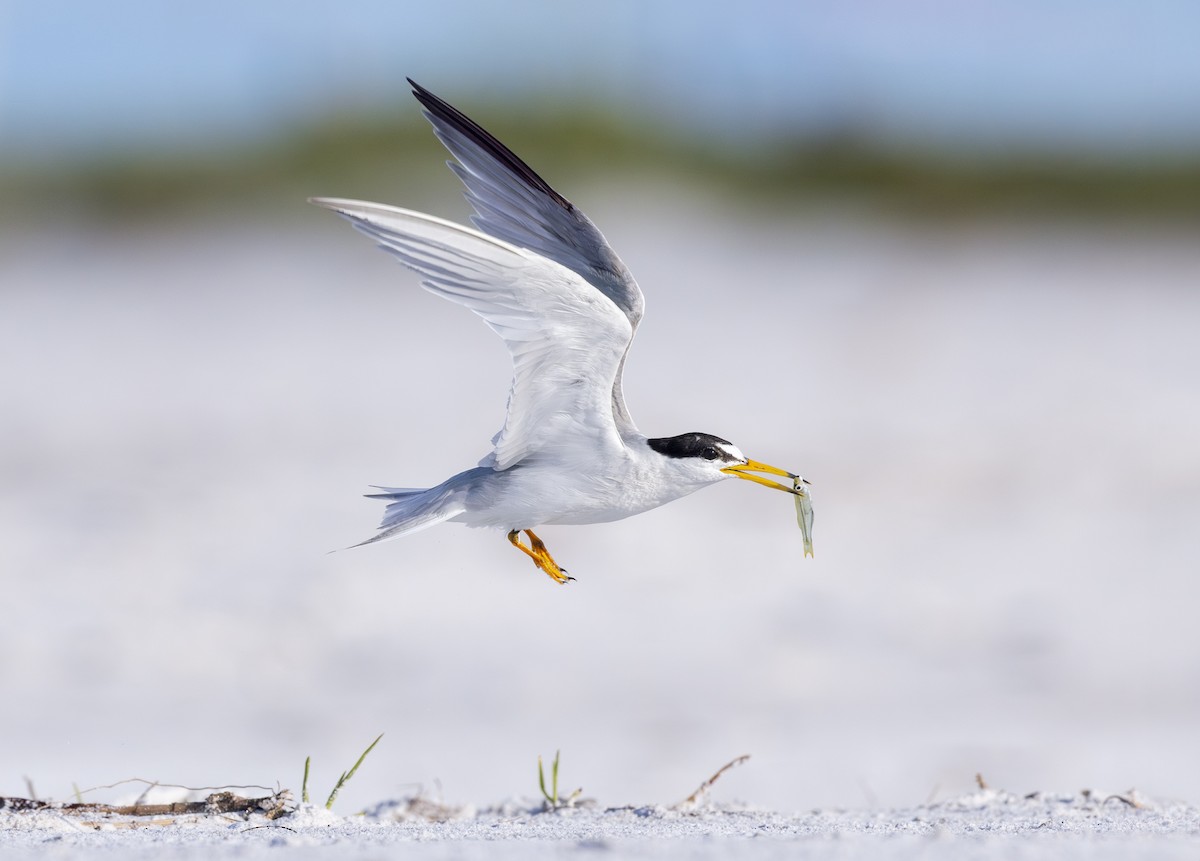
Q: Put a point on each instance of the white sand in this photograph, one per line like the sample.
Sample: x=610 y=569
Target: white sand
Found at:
x=1001 y=425
x=983 y=825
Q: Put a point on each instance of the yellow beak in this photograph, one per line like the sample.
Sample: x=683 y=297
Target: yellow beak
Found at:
x=746 y=470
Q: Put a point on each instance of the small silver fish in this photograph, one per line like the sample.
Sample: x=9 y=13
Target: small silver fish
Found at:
x=804 y=511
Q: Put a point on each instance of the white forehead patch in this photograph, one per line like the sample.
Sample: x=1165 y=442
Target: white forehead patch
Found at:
x=732 y=450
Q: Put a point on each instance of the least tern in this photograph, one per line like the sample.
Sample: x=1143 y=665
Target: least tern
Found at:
x=543 y=278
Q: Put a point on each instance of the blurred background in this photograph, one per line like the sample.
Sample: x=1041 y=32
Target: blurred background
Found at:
x=940 y=258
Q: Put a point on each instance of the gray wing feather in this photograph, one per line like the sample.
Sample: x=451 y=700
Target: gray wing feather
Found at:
x=567 y=341
x=513 y=203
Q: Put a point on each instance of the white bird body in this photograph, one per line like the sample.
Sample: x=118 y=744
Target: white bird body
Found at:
x=579 y=490
x=543 y=278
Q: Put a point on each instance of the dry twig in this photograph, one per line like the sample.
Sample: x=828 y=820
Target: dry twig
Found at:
x=702 y=790
x=271 y=806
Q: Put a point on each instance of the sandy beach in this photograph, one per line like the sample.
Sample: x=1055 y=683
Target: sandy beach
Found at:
x=986 y=825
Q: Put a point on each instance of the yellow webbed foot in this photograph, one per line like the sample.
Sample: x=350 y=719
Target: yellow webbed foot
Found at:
x=540 y=555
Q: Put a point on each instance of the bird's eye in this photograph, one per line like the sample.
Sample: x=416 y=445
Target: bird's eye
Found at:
x=709 y=453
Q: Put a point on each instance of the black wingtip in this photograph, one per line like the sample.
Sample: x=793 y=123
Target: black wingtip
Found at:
x=439 y=110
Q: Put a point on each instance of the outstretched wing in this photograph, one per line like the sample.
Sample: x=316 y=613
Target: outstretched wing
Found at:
x=567 y=340
x=513 y=203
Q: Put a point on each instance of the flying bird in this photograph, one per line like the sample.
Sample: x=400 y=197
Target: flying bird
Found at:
x=543 y=278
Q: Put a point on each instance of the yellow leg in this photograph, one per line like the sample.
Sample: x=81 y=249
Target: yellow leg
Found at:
x=539 y=554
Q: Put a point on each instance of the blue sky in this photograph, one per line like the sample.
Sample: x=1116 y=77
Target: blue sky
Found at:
x=1076 y=74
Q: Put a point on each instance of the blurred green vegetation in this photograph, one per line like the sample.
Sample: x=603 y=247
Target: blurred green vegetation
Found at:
x=383 y=159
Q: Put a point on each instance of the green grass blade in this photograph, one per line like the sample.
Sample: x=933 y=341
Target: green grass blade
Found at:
x=370 y=748
x=346 y=775
x=304 y=783
x=542 y=781
x=551 y=796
